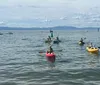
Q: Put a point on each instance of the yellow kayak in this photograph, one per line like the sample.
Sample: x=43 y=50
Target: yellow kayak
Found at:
x=92 y=49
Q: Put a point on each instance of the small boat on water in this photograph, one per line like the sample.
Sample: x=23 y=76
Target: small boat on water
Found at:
x=10 y=33
x=81 y=43
x=48 y=41
x=56 y=41
x=92 y=49
x=50 y=57
x=1 y=33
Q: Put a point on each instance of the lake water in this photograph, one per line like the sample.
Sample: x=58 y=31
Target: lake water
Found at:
x=22 y=64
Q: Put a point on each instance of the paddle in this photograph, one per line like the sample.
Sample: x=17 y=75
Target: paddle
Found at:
x=84 y=38
x=42 y=51
x=99 y=47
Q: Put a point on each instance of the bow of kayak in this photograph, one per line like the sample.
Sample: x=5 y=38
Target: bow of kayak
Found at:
x=50 y=57
x=92 y=49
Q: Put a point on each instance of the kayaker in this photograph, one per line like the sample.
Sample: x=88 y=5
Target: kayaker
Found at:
x=81 y=40
x=50 y=50
x=57 y=38
x=51 y=33
x=90 y=45
x=49 y=38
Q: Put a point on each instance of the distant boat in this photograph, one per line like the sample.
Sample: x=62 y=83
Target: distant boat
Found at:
x=9 y=33
x=51 y=31
x=56 y=41
x=1 y=33
x=98 y=29
x=81 y=43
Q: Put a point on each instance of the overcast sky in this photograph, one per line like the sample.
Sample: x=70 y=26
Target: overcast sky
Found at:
x=44 y=13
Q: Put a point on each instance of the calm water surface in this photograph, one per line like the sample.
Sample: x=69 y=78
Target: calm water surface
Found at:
x=22 y=64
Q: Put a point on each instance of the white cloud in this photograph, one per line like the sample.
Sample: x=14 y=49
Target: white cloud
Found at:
x=60 y=12
x=2 y=23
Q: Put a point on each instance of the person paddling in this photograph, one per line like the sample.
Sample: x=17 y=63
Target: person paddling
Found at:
x=81 y=40
x=50 y=55
x=90 y=45
x=50 y=50
x=51 y=33
x=57 y=38
x=49 y=38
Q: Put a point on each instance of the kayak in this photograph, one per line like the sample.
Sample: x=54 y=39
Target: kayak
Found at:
x=92 y=49
x=81 y=43
x=50 y=57
x=56 y=41
x=50 y=54
x=46 y=41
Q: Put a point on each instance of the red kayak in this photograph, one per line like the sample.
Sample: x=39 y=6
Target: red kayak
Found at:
x=50 y=57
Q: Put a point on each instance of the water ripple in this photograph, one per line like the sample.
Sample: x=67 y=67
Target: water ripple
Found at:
x=23 y=61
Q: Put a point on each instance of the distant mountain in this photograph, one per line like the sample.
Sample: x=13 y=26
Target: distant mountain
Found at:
x=17 y=28
x=62 y=27
x=47 y=28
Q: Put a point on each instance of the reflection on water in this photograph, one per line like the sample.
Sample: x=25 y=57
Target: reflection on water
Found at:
x=94 y=60
x=51 y=65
